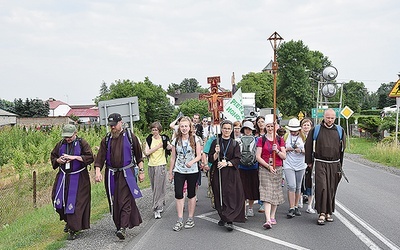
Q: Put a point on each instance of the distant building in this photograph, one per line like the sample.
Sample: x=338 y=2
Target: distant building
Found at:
x=87 y=114
x=7 y=118
x=171 y=100
x=58 y=108
x=179 y=98
x=268 y=68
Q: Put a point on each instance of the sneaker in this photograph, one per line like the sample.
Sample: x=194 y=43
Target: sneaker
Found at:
x=221 y=223
x=189 y=224
x=121 y=234
x=291 y=214
x=273 y=221
x=310 y=211
x=261 y=209
x=267 y=225
x=66 y=228
x=250 y=212
x=178 y=226
x=71 y=235
x=229 y=226
x=160 y=210
x=157 y=215
x=297 y=211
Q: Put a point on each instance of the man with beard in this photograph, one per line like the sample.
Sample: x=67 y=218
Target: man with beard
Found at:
x=71 y=190
x=121 y=152
x=327 y=154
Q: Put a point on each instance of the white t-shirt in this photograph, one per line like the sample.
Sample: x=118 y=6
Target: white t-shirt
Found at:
x=295 y=161
x=184 y=154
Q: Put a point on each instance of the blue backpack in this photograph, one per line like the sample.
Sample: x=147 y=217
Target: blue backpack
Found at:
x=339 y=130
x=318 y=127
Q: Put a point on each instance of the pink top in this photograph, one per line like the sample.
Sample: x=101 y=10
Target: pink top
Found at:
x=266 y=152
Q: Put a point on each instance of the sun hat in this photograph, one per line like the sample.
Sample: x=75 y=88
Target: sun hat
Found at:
x=113 y=119
x=269 y=118
x=247 y=124
x=293 y=125
x=68 y=130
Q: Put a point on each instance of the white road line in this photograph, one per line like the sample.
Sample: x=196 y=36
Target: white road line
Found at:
x=262 y=236
x=364 y=238
x=364 y=224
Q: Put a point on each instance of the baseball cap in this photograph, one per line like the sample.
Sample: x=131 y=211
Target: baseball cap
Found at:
x=113 y=119
x=68 y=130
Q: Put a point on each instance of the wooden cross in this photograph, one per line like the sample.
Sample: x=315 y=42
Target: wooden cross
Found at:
x=215 y=98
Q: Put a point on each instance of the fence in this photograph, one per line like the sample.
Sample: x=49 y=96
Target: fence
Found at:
x=24 y=195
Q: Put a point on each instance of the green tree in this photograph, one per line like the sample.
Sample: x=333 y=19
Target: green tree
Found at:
x=7 y=105
x=354 y=95
x=297 y=64
x=31 y=108
x=188 y=85
x=260 y=83
x=383 y=99
x=193 y=106
x=153 y=103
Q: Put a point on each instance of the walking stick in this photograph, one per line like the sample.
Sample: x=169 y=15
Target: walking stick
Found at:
x=219 y=170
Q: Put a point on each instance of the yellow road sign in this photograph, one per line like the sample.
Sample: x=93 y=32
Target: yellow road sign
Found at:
x=395 y=92
x=346 y=112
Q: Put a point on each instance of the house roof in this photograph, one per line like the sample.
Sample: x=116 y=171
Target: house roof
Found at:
x=268 y=67
x=84 y=112
x=54 y=104
x=6 y=113
x=179 y=98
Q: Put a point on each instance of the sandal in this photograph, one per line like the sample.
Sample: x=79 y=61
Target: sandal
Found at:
x=321 y=219
x=329 y=218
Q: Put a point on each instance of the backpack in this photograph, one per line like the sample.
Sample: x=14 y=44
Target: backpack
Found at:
x=318 y=127
x=248 y=152
x=164 y=139
x=129 y=134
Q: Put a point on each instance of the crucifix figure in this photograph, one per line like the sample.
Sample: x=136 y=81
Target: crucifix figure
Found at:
x=215 y=98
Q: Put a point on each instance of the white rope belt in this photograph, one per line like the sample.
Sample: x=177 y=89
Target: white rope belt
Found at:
x=327 y=161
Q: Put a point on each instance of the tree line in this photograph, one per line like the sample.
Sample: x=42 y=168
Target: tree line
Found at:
x=299 y=69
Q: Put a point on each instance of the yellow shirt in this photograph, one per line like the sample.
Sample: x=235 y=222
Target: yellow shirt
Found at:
x=157 y=158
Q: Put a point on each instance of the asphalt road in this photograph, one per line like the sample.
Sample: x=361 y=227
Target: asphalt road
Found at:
x=366 y=217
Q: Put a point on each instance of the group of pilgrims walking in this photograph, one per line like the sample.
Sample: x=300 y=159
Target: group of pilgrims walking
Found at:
x=245 y=162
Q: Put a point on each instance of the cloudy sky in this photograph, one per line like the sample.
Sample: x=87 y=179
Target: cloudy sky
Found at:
x=66 y=49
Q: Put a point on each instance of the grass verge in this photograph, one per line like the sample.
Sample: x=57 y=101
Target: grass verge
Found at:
x=41 y=227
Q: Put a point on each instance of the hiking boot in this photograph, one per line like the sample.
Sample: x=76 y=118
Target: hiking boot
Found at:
x=121 y=233
x=297 y=211
x=178 y=226
x=291 y=214
x=189 y=224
